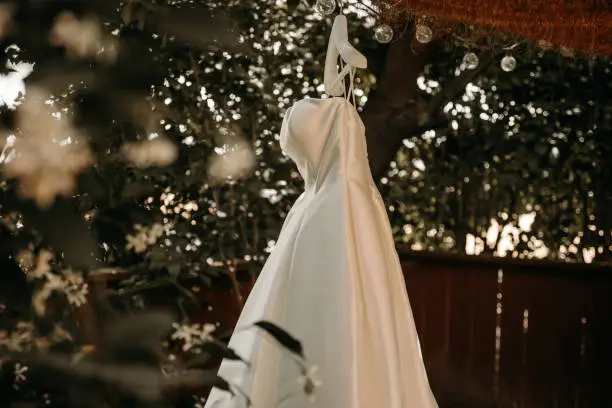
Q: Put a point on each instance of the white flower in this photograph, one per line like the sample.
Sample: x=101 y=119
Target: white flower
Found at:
x=144 y=237
x=136 y=243
x=19 y=373
x=19 y=339
x=60 y=334
x=40 y=297
x=309 y=382
x=12 y=221
x=233 y=162
x=48 y=152
x=207 y=332
x=155 y=232
x=186 y=333
x=42 y=267
x=23 y=338
x=193 y=334
x=200 y=402
x=26 y=260
x=71 y=284
x=82 y=38
x=158 y=151
x=75 y=288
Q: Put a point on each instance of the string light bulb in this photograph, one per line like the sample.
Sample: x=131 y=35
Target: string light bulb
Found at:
x=383 y=34
x=508 y=63
x=423 y=34
x=470 y=60
x=325 y=7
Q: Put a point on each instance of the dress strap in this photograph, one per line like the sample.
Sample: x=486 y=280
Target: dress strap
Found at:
x=351 y=90
x=341 y=76
x=346 y=70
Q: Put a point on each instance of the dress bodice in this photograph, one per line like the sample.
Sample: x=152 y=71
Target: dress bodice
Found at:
x=325 y=138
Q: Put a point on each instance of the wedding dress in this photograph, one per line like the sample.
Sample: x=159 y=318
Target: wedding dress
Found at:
x=333 y=281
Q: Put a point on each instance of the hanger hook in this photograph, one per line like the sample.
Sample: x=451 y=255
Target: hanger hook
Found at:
x=340 y=5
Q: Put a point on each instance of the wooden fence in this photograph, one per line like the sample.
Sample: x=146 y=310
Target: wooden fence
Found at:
x=522 y=334
x=499 y=333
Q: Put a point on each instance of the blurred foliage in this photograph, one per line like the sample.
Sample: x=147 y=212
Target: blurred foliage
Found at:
x=531 y=143
x=211 y=80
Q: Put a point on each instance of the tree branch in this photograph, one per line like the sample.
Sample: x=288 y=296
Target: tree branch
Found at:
x=396 y=92
x=395 y=110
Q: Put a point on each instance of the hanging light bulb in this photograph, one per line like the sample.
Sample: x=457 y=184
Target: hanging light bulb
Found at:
x=470 y=60
x=325 y=7
x=383 y=34
x=508 y=63
x=423 y=34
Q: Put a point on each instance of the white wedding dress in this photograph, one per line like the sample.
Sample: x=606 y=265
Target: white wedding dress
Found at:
x=333 y=280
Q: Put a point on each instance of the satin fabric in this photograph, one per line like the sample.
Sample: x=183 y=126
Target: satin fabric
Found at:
x=333 y=280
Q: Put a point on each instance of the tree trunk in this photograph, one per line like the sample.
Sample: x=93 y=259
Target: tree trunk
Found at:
x=397 y=109
x=395 y=95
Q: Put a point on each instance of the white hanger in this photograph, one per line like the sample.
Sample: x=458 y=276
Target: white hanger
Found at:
x=339 y=44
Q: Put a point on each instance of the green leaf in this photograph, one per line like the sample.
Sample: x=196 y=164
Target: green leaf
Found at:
x=126 y=14
x=292 y=4
x=221 y=384
x=285 y=339
x=213 y=348
x=157 y=257
x=198 y=361
x=138 y=189
x=174 y=268
x=141 y=17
